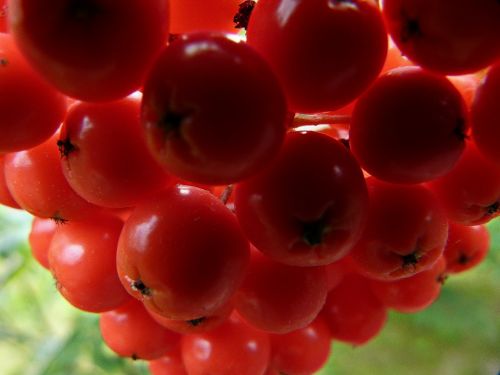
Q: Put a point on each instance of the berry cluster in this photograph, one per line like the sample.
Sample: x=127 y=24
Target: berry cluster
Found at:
x=232 y=185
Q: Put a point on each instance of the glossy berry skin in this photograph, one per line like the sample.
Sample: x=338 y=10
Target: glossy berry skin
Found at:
x=232 y=348
x=278 y=298
x=82 y=259
x=450 y=37
x=40 y=237
x=303 y=351
x=5 y=196
x=409 y=127
x=308 y=207
x=330 y=64
x=207 y=15
x=470 y=193
x=3 y=16
x=415 y=293
x=213 y=112
x=30 y=109
x=203 y=324
x=96 y=50
x=130 y=332
x=105 y=157
x=305 y=216
x=169 y=364
x=467 y=246
x=405 y=234
x=353 y=313
x=485 y=123
x=37 y=183
x=182 y=253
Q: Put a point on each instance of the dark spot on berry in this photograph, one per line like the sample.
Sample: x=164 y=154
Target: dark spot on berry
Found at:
x=172 y=121
x=411 y=260
x=134 y=356
x=460 y=130
x=314 y=231
x=58 y=219
x=411 y=30
x=65 y=147
x=139 y=286
x=4 y=62
x=463 y=259
x=196 y=322
x=441 y=278
x=493 y=209
x=242 y=18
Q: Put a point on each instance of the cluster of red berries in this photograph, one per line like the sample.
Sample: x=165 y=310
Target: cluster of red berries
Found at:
x=163 y=114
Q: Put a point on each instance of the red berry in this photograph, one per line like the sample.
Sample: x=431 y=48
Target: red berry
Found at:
x=182 y=253
x=485 y=123
x=446 y=36
x=30 y=109
x=409 y=127
x=212 y=111
x=353 y=313
x=82 y=259
x=325 y=53
x=470 y=193
x=414 y=293
x=130 y=332
x=232 y=348
x=301 y=352
x=467 y=246
x=104 y=156
x=406 y=231
x=37 y=183
x=279 y=298
x=309 y=206
x=96 y=50
x=40 y=237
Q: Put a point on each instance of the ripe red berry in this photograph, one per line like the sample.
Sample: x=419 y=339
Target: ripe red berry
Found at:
x=309 y=206
x=278 y=298
x=169 y=364
x=467 y=246
x=353 y=313
x=485 y=123
x=212 y=111
x=325 y=53
x=94 y=50
x=414 y=293
x=446 y=36
x=303 y=351
x=182 y=253
x=104 y=154
x=470 y=192
x=409 y=127
x=40 y=237
x=130 y=332
x=37 y=183
x=82 y=259
x=232 y=348
x=405 y=234
x=5 y=195
x=30 y=109
x=199 y=325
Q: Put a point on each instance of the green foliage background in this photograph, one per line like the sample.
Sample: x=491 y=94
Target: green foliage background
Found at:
x=41 y=334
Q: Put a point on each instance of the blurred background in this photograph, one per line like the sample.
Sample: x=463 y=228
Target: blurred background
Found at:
x=41 y=334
